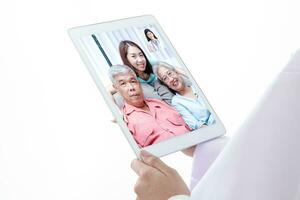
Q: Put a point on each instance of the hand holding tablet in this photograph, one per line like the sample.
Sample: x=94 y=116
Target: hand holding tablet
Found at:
x=155 y=100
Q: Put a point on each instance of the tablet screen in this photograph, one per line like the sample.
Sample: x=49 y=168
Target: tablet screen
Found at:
x=152 y=90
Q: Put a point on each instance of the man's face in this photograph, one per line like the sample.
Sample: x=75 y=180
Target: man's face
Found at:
x=130 y=89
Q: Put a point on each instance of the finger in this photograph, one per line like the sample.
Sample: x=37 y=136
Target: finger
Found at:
x=189 y=151
x=155 y=162
x=139 y=167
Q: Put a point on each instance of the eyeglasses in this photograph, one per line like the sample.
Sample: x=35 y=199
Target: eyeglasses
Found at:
x=169 y=74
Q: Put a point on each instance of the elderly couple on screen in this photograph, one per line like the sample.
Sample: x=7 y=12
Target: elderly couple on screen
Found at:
x=157 y=102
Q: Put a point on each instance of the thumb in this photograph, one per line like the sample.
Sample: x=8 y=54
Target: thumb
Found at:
x=155 y=162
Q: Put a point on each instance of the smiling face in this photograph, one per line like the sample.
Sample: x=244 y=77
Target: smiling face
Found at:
x=129 y=88
x=171 y=78
x=136 y=58
x=150 y=35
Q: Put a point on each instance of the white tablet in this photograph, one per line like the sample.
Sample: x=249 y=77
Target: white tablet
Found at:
x=154 y=98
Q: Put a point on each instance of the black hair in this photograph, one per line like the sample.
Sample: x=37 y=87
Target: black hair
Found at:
x=148 y=30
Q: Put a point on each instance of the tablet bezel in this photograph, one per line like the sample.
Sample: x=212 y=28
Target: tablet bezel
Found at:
x=162 y=148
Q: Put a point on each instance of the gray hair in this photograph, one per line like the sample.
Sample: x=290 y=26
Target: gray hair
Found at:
x=155 y=68
x=119 y=69
x=162 y=64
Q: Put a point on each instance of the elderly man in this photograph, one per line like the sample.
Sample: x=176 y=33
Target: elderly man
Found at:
x=149 y=120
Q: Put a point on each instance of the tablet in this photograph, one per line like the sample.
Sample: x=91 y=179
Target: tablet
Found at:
x=149 y=90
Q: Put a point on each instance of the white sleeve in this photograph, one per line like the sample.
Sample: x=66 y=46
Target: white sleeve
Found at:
x=262 y=160
x=204 y=156
x=180 y=197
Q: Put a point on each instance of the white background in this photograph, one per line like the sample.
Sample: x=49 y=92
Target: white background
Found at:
x=56 y=138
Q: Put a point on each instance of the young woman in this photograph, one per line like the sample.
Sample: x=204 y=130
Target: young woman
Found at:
x=134 y=57
x=153 y=42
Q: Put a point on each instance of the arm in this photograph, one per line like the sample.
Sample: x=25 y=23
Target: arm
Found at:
x=151 y=183
x=262 y=160
x=189 y=119
x=164 y=92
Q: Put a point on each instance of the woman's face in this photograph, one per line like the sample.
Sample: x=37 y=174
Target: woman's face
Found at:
x=150 y=35
x=171 y=78
x=136 y=58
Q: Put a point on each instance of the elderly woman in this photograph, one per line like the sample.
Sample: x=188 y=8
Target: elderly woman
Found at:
x=186 y=101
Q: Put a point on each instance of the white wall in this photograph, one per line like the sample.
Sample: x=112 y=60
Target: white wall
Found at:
x=56 y=138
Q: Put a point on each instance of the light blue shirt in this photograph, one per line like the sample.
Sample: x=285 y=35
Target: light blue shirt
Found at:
x=193 y=111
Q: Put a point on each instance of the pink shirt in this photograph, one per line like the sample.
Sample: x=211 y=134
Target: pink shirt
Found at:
x=161 y=123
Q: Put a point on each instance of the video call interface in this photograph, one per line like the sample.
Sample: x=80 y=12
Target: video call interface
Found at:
x=151 y=89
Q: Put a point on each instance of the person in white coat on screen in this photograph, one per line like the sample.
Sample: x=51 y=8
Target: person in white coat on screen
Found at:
x=260 y=162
